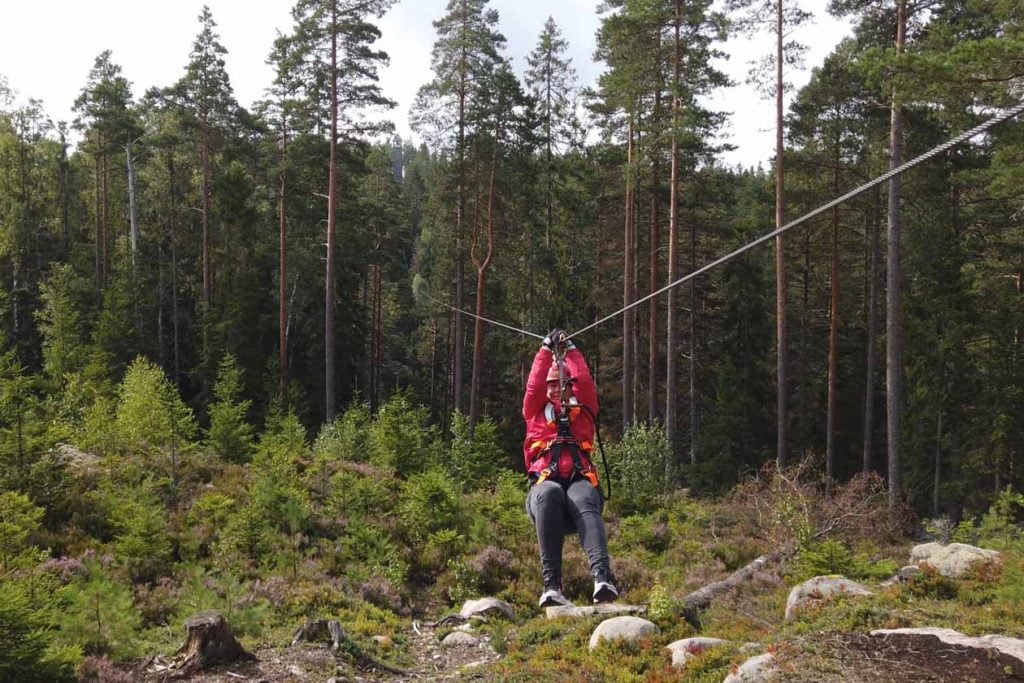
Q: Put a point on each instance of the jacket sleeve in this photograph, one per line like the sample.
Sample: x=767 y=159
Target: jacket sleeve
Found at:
x=586 y=392
x=536 y=396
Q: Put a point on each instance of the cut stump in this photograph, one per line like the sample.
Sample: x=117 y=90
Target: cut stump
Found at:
x=317 y=630
x=208 y=642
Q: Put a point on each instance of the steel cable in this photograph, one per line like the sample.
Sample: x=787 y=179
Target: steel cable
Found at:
x=953 y=142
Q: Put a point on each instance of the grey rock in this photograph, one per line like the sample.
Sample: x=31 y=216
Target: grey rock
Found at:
x=460 y=639
x=694 y=646
x=954 y=560
x=575 y=612
x=1013 y=647
x=688 y=648
x=759 y=669
x=622 y=628
x=681 y=659
x=821 y=589
x=486 y=606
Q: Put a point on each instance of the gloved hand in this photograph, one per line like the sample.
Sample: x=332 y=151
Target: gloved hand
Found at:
x=554 y=339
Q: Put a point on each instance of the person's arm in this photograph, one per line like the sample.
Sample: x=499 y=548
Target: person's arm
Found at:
x=586 y=392
x=536 y=395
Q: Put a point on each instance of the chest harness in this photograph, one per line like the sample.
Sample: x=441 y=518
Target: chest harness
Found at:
x=563 y=437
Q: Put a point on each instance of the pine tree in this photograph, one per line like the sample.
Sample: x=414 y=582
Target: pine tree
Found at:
x=334 y=39
x=467 y=47
x=230 y=434
x=207 y=94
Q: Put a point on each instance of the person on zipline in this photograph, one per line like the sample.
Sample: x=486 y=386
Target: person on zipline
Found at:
x=564 y=497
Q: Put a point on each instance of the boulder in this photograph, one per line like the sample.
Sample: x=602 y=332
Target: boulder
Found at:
x=1012 y=647
x=694 y=646
x=622 y=628
x=460 y=639
x=77 y=461
x=486 y=606
x=689 y=648
x=955 y=560
x=760 y=669
x=819 y=590
x=577 y=612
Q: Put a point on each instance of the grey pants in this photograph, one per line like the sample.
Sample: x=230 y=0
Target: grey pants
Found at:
x=556 y=508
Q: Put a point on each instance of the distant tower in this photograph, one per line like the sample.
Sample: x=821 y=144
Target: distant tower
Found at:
x=396 y=158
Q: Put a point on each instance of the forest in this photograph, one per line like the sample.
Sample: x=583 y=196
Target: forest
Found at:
x=216 y=321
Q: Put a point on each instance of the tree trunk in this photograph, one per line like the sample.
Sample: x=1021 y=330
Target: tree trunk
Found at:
x=937 y=482
x=105 y=208
x=98 y=249
x=132 y=212
x=282 y=266
x=332 y=182
x=207 y=269
x=894 y=285
x=652 y=322
x=671 y=302
x=481 y=281
x=833 y=343
x=376 y=337
x=694 y=413
x=176 y=339
x=62 y=179
x=872 y=351
x=780 y=256
x=460 y=264
x=627 y=291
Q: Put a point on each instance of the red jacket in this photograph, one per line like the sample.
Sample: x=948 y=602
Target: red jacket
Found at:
x=540 y=415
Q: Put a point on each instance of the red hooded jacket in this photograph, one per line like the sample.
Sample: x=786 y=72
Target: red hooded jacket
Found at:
x=540 y=415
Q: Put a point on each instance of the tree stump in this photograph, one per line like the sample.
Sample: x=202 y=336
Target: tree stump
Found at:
x=319 y=630
x=208 y=642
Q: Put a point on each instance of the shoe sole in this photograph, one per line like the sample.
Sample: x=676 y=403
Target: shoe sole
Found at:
x=554 y=603
x=605 y=595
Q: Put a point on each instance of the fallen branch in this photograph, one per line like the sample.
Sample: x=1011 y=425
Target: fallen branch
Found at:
x=700 y=599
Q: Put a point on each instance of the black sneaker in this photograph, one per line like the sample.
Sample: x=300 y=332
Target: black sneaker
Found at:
x=605 y=591
x=552 y=597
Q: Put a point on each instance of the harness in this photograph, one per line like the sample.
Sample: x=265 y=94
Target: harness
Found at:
x=564 y=438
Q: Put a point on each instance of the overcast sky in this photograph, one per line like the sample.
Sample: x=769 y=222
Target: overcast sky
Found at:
x=47 y=48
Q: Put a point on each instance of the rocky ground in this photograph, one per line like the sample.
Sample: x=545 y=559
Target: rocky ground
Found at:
x=822 y=658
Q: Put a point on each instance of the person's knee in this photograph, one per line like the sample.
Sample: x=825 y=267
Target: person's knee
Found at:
x=548 y=493
x=586 y=499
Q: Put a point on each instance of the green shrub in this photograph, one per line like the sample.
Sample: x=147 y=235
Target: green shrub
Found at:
x=28 y=651
x=99 y=615
x=150 y=412
x=205 y=522
x=429 y=503
x=638 y=467
x=931 y=584
x=19 y=521
x=224 y=592
x=353 y=494
x=229 y=435
x=500 y=516
x=401 y=438
x=347 y=437
x=143 y=543
x=647 y=533
x=474 y=463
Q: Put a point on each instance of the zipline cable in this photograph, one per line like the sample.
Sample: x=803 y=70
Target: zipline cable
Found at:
x=959 y=139
x=488 y=320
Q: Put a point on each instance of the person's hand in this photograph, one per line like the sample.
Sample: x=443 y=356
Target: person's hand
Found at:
x=555 y=338
x=569 y=346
